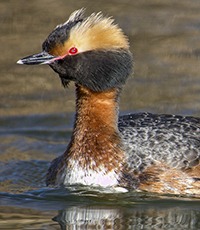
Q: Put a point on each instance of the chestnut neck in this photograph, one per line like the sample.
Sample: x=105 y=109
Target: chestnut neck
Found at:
x=99 y=109
x=96 y=140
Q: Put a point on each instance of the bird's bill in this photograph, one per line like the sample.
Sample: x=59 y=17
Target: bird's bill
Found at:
x=37 y=59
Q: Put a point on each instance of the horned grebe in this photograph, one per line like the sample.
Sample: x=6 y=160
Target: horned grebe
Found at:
x=145 y=152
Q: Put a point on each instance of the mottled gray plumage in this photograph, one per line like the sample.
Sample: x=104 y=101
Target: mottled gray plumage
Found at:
x=170 y=139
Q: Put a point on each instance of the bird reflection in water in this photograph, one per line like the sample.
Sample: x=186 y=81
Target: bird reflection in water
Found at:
x=92 y=217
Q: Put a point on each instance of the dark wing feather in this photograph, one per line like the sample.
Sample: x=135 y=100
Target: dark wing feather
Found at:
x=151 y=138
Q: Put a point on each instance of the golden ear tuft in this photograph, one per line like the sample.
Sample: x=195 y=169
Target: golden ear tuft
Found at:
x=97 y=32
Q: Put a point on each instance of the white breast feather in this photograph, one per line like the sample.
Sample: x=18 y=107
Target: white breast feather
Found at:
x=79 y=175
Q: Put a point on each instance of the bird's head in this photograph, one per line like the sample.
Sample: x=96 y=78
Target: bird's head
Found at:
x=91 y=51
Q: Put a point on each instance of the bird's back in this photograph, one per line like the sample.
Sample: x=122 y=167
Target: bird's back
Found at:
x=169 y=138
x=156 y=144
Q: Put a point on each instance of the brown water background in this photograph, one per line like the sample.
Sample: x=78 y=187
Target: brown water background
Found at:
x=36 y=113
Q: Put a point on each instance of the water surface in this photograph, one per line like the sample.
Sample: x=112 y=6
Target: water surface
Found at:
x=36 y=113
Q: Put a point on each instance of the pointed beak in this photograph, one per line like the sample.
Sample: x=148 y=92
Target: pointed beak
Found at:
x=37 y=59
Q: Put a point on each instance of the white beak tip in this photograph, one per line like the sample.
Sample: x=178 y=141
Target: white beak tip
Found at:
x=20 y=62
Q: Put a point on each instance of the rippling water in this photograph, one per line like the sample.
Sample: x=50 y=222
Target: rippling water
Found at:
x=36 y=113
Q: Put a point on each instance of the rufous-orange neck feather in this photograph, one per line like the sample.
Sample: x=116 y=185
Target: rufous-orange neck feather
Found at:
x=96 y=140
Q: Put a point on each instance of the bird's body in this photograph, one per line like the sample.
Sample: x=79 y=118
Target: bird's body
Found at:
x=148 y=152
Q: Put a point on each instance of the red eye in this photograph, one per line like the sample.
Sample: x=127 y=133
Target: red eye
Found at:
x=73 y=50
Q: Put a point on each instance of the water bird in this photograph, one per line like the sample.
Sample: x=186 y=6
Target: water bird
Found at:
x=144 y=152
